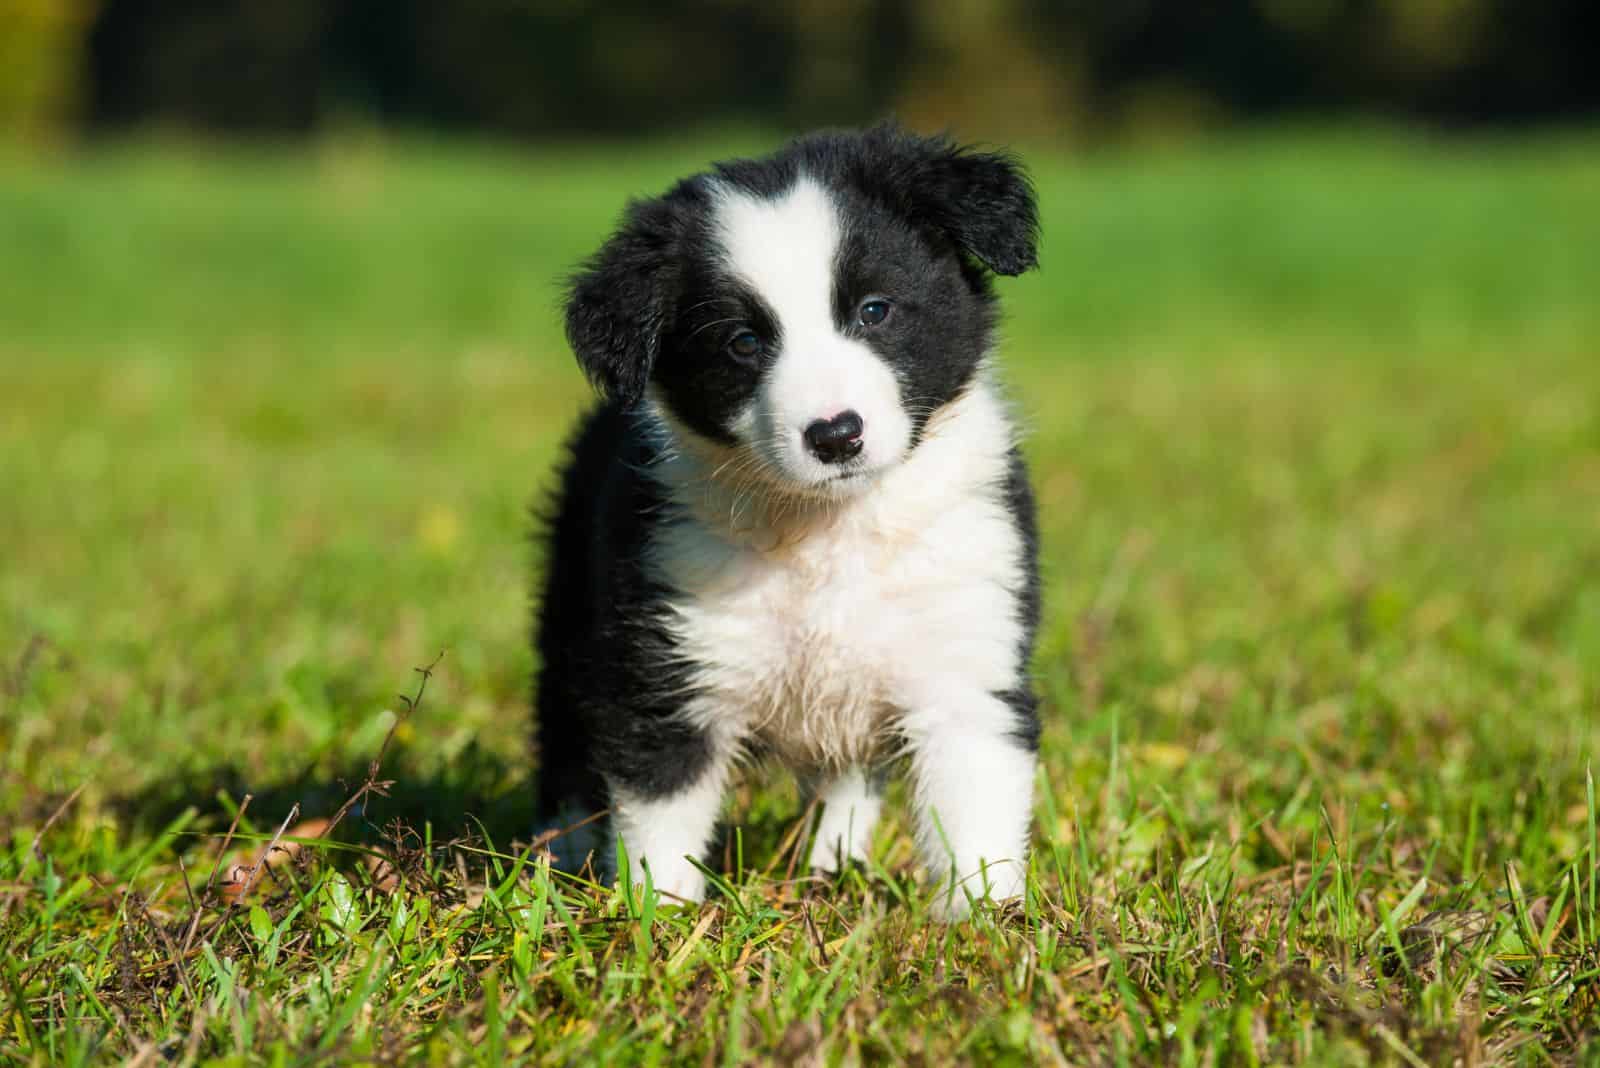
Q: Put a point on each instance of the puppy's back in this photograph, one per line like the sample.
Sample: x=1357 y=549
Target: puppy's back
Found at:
x=577 y=524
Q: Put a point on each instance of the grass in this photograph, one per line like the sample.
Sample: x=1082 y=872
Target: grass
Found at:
x=1316 y=431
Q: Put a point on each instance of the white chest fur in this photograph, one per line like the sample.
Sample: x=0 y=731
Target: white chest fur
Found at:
x=816 y=634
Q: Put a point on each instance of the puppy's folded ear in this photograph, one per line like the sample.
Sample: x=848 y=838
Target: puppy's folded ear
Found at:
x=982 y=201
x=618 y=304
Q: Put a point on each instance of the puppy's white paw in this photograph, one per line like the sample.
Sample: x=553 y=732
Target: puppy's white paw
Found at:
x=678 y=882
x=850 y=806
x=664 y=832
x=996 y=883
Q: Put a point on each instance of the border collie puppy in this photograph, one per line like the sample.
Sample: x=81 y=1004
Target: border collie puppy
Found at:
x=798 y=525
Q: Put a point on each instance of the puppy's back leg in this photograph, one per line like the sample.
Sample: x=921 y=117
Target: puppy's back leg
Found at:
x=571 y=794
x=851 y=802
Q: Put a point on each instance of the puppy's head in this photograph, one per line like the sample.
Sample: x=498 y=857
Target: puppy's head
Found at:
x=808 y=312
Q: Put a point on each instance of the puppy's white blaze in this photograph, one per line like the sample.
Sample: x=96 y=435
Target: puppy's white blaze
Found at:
x=850 y=807
x=665 y=832
x=786 y=250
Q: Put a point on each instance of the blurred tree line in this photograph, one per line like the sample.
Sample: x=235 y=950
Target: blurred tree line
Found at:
x=581 y=67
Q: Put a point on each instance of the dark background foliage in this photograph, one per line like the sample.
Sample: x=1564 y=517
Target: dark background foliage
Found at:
x=578 y=67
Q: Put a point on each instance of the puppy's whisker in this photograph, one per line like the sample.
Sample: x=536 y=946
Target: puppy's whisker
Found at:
x=703 y=327
x=708 y=303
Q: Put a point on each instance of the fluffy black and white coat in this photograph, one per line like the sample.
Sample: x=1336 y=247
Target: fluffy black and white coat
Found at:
x=798 y=525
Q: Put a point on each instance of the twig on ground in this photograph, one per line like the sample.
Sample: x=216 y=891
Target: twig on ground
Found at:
x=373 y=785
x=38 y=839
x=178 y=964
x=816 y=935
x=235 y=889
x=544 y=838
x=211 y=882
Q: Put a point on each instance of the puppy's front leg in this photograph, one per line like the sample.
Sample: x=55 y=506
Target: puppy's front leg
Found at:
x=664 y=829
x=972 y=774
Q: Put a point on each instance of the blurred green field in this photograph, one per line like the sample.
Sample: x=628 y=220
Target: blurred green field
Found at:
x=1315 y=424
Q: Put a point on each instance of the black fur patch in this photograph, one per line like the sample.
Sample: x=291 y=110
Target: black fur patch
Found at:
x=610 y=681
x=1018 y=497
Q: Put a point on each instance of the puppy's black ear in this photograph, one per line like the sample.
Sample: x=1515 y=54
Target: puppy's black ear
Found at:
x=618 y=303
x=982 y=201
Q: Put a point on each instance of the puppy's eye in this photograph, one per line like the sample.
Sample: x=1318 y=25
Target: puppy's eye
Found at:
x=873 y=312
x=745 y=345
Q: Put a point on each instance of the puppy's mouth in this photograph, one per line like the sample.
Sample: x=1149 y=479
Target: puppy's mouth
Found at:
x=831 y=484
x=850 y=481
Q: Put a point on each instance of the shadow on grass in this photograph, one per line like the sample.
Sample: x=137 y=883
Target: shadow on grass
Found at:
x=477 y=794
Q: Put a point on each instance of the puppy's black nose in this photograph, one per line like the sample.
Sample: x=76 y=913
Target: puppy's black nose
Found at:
x=835 y=440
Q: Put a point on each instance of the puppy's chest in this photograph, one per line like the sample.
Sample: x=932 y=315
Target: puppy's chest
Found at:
x=814 y=648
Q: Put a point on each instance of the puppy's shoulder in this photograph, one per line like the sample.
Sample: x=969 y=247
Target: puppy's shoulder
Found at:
x=607 y=501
